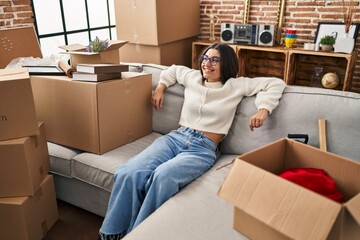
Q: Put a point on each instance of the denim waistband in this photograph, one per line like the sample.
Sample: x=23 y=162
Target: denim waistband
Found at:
x=194 y=132
x=197 y=134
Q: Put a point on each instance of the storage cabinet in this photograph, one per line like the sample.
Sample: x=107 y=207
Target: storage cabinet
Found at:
x=294 y=66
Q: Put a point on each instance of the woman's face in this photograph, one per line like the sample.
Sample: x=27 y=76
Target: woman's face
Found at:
x=211 y=65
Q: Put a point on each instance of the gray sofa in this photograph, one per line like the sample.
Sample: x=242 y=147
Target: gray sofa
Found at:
x=196 y=212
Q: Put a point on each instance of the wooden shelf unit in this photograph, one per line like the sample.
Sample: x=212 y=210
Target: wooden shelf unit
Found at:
x=303 y=64
x=262 y=61
x=295 y=66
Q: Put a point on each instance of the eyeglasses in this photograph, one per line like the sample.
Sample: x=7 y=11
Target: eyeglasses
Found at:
x=213 y=60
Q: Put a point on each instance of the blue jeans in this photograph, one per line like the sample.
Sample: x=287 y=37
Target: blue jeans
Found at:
x=150 y=178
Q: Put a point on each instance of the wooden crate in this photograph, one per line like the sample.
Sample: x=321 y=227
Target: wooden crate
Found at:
x=262 y=62
x=308 y=68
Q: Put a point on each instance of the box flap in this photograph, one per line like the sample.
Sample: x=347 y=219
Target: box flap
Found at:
x=354 y=207
x=13 y=74
x=73 y=47
x=78 y=48
x=282 y=205
x=115 y=45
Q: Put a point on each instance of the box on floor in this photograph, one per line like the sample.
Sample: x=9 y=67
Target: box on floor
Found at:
x=29 y=218
x=156 y=22
x=24 y=163
x=178 y=52
x=110 y=55
x=18 y=42
x=94 y=116
x=17 y=108
x=267 y=206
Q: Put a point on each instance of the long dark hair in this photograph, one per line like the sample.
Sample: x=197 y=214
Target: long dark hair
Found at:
x=229 y=65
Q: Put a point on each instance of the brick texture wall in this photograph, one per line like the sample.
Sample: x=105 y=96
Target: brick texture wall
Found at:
x=304 y=15
x=15 y=13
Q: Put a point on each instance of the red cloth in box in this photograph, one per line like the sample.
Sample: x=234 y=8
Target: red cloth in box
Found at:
x=314 y=179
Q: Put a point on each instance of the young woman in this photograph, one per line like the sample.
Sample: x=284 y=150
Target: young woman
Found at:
x=174 y=160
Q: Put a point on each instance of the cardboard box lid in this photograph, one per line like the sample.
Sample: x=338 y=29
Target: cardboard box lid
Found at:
x=18 y=42
x=78 y=48
x=13 y=74
x=292 y=210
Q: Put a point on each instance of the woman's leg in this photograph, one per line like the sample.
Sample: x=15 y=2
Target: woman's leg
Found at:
x=196 y=157
x=129 y=185
x=149 y=179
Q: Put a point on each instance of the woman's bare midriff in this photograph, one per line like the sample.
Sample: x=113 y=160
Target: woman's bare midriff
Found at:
x=215 y=137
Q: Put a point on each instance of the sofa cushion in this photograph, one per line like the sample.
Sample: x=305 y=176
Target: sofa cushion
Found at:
x=298 y=112
x=98 y=170
x=167 y=118
x=60 y=159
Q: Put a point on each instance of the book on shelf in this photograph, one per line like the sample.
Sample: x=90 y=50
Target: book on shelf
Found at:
x=102 y=68
x=95 y=77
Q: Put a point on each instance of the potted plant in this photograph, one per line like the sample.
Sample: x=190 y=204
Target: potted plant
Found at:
x=327 y=42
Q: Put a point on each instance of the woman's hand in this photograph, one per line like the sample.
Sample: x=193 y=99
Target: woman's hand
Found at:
x=157 y=97
x=258 y=119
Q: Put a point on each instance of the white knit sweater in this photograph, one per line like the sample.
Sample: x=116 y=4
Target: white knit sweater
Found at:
x=211 y=106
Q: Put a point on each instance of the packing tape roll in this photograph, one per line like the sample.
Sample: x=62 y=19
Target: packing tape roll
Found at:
x=66 y=68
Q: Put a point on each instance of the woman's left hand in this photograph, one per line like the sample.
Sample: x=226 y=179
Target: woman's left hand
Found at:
x=258 y=119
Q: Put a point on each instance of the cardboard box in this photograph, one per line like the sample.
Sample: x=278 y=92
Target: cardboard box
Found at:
x=18 y=42
x=178 y=52
x=267 y=206
x=94 y=117
x=29 y=218
x=17 y=108
x=110 y=55
x=24 y=163
x=156 y=22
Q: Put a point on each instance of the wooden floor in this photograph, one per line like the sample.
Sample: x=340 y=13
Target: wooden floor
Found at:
x=74 y=223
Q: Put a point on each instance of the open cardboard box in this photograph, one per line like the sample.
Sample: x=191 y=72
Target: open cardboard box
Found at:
x=110 y=55
x=267 y=206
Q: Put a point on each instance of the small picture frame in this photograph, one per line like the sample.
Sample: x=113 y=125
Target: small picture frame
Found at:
x=45 y=70
x=335 y=29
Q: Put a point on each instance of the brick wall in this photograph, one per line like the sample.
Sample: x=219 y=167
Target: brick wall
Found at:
x=15 y=13
x=304 y=15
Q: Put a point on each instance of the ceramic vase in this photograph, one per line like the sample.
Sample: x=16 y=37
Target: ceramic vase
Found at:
x=344 y=44
x=327 y=48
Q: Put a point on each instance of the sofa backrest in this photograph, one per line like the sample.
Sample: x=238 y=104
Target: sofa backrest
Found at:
x=298 y=113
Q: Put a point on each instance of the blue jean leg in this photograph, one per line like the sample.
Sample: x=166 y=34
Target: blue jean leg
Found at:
x=153 y=176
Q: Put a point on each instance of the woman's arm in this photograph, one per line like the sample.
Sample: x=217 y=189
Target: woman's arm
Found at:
x=179 y=74
x=157 y=97
x=268 y=93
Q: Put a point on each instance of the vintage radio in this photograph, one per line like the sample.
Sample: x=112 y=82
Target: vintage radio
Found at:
x=243 y=34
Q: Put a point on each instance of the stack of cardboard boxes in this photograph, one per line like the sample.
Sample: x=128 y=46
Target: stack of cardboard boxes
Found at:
x=158 y=31
x=28 y=205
